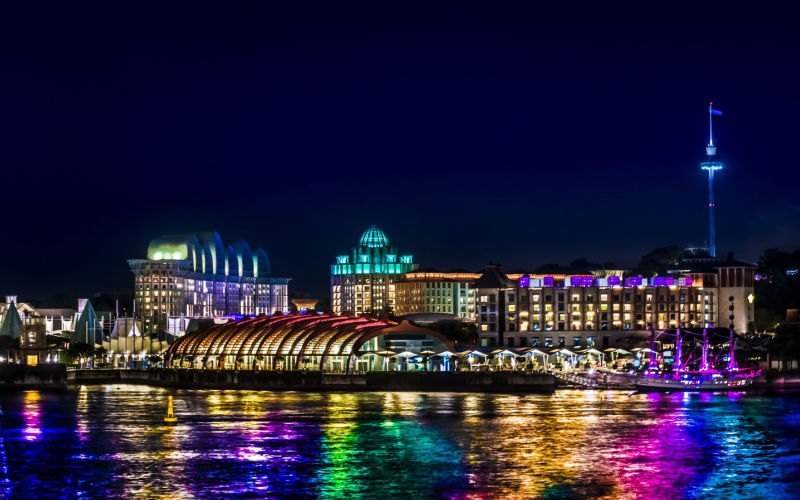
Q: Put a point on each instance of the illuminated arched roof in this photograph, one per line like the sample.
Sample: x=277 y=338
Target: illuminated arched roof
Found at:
x=373 y=237
x=291 y=335
x=206 y=253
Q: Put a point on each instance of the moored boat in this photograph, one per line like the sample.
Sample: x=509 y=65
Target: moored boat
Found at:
x=663 y=384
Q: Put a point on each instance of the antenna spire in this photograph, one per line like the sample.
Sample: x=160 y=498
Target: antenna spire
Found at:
x=711 y=150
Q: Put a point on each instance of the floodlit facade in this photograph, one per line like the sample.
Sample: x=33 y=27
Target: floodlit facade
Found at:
x=432 y=291
x=196 y=275
x=363 y=280
x=300 y=342
x=584 y=311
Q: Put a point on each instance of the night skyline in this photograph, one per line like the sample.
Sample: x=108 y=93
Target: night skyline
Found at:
x=467 y=136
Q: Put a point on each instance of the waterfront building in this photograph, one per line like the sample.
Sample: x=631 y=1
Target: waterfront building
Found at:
x=310 y=341
x=196 y=275
x=733 y=283
x=430 y=291
x=128 y=347
x=582 y=311
x=363 y=280
x=55 y=320
x=27 y=334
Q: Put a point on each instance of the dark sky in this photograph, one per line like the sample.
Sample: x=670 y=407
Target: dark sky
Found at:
x=511 y=134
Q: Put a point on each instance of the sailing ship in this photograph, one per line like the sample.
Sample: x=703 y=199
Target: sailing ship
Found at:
x=706 y=377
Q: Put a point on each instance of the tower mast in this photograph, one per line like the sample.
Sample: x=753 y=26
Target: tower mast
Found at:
x=711 y=166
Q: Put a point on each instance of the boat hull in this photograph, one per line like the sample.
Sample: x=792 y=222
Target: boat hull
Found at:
x=644 y=384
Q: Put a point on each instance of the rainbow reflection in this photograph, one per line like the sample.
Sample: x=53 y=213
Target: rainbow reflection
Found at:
x=110 y=441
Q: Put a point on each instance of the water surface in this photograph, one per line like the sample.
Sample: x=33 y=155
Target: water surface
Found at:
x=110 y=441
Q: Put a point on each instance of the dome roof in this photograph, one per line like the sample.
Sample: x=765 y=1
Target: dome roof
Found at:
x=373 y=237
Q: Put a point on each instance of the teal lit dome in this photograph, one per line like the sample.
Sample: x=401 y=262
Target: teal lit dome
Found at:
x=373 y=237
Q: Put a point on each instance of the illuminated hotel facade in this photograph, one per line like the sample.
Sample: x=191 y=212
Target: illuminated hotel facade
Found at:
x=363 y=281
x=433 y=291
x=575 y=312
x=196 y=275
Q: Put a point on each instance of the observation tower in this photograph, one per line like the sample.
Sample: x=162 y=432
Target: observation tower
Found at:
x=711 y=166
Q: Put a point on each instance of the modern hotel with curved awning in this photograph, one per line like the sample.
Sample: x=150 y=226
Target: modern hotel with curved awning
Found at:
x=302 y=341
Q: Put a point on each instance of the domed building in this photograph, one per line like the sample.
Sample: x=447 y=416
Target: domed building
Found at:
x=196 y=275
x=362 y=281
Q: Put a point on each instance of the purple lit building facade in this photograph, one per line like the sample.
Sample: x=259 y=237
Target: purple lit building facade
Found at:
x=576 y=312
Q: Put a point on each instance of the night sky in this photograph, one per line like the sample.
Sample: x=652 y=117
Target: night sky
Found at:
x=515 y=134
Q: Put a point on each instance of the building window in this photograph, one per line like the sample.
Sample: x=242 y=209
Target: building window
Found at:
x=534 y=341
x=562 y=341
x=576 y=342
x=548 y=341
x=589 y=341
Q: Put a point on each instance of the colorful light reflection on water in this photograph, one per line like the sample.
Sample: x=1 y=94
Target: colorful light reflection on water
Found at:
x=103 y=441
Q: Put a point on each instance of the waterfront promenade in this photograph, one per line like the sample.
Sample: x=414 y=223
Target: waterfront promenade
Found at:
x=318 y=381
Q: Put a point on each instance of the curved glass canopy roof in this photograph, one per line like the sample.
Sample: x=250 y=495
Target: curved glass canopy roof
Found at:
x=292 y=335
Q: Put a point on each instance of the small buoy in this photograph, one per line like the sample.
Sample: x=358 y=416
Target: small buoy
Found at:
x=170 y=418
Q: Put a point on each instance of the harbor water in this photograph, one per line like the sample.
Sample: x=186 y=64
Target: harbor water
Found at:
x=111 y=441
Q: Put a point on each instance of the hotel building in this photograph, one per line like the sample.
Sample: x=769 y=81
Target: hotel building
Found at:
x=587 y=311
x=432 y=291
x=363 y=281
x=196 y=275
